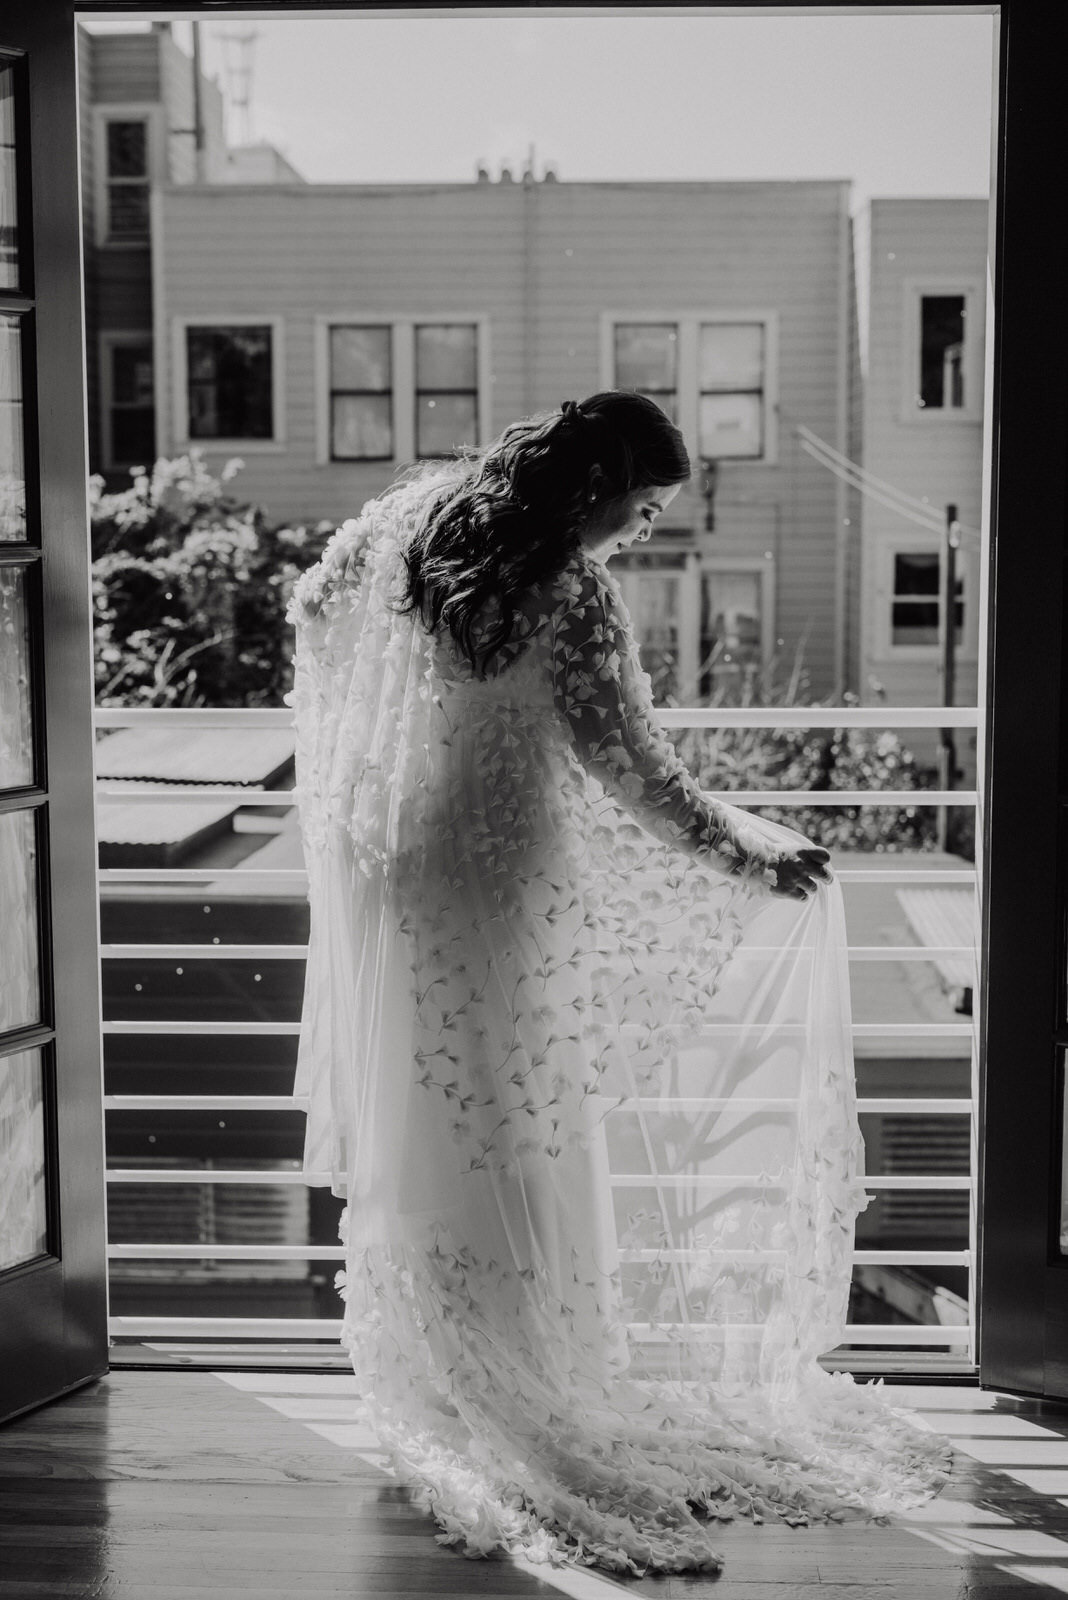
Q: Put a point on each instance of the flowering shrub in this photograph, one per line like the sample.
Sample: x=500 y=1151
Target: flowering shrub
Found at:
x=190 y=589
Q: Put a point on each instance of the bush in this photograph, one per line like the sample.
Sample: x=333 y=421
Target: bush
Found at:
x=190 y=589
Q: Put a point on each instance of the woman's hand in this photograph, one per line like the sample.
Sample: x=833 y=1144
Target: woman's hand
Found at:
x=797 y=876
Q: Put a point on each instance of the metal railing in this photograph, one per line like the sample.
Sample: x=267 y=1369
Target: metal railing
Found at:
x=936 y=1335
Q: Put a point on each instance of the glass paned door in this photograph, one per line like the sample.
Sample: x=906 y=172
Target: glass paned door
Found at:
x=52 y=1278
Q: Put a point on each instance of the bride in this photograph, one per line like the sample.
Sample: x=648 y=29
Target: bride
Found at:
x=576 y=1039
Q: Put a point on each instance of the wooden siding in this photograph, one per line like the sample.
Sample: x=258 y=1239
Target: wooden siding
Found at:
x=86 y=44
x=542 y=262
x=927 y=457
x=125 y=68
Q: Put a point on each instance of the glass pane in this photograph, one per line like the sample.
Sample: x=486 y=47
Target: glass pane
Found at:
x=730 y=624
x=916 y=572
x=131 y=374
x=731 y=355
x=128 y=149
x=230 y=383
x=446 y=357
x=360 y=427
x=360 y=358
x=9 y=257
x=914 y=622
x=128 y=210
x=16 y=715
x=731 y=425
x=133 y=436
x=12 y=455
x=444 y=421
x=20 y=1004
x=942 y=351
x=646 y=355
x=23 y=1179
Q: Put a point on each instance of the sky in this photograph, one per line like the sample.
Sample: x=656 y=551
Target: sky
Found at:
x=900 y=104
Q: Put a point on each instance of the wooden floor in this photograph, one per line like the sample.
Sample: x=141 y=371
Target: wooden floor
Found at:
x=195 y=1486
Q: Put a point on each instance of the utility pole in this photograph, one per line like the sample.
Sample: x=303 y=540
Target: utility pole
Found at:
x=947 y=754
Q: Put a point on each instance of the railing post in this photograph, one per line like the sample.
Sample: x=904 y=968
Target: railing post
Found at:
x=947 y=753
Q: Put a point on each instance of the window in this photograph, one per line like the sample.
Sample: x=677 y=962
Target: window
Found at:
x=712 y=374
x=227 y=381
x=399 y=388
x=646 y=358
x=361 y=392
x=128 y=406
x=916 y=605
x=126 y=157
x=942 y=372
x=446 y=387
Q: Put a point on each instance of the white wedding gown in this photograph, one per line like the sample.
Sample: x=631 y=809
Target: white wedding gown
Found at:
x=586 y=1085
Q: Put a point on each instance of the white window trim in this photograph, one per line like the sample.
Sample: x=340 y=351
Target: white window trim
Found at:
x=179 y=393
x=968 y=649
x=402 y=348
x=765 y=571
x=913 y=289
x=106 y=343
x=124 y=111
x=687 y=323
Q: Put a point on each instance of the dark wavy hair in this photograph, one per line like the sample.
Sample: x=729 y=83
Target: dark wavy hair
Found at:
x=510 y=515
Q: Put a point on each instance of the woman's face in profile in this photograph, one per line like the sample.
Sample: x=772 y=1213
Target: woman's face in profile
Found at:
x=629 y=519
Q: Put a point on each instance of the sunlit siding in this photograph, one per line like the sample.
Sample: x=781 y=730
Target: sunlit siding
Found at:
x=932 y=458
x=176 y=92
x=543 y=263
x=87 y=161
x=126 y=68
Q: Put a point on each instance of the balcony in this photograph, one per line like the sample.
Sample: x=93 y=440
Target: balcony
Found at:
x=217 y=1244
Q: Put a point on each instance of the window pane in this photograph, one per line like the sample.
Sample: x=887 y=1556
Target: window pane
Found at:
x=646 y=355
x=12 y=459
x=360 y=358
x=24 y=1214
x=360 y=427
x=19 y=975
x=942 y=352
x=445 y=357
x=128 y=210
x=128 y=149
x=731 y=425
x=914 y=622
x=131 y=374
x=9 y=256
x=731 y=619
x=731 y=355
x=16 y=712
x=444 y=421
x=230 y=383
x=916 y=572
x=133 y=436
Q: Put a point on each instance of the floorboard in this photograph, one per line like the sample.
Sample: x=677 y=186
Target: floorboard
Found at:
x=222 y=1486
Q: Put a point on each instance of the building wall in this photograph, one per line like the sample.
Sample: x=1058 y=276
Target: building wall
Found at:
x=936 y=458
x=542 y=262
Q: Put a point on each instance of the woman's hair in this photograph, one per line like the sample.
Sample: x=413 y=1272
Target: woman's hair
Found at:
x=511 y=514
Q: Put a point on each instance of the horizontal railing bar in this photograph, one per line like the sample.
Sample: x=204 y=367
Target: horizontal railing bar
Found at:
x=888 y=1334
x=229 y=794
x=206 y=794
x=622 y=1180
x=202 y=875
x=298 y=952
x=709 y=1030
x=670 y=716
x=288 y=1102
x=336 y=1252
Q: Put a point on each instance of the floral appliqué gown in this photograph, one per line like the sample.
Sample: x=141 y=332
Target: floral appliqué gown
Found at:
x=585 y=1084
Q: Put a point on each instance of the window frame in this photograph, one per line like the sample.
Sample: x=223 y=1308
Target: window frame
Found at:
x=764 y=570
x=915 y=288
x=150 y=114
x=107 y=341
x=402 y=351
x=688 y=323
x=180 y=382
x=903 y=544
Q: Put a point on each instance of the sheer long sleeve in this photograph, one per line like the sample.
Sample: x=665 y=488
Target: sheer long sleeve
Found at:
x=600 y=688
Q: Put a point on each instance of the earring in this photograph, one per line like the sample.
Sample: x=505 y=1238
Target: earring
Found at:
x=592 y=497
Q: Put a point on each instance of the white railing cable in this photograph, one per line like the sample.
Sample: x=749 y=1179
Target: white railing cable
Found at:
x=671 y=716
x=289 y=1102
x=298 y=952
x=336 y=1252
x=203 y=877
x=709 y=1030
x=622 y=1180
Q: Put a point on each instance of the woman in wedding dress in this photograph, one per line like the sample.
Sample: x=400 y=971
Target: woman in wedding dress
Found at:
x=576 y=1040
